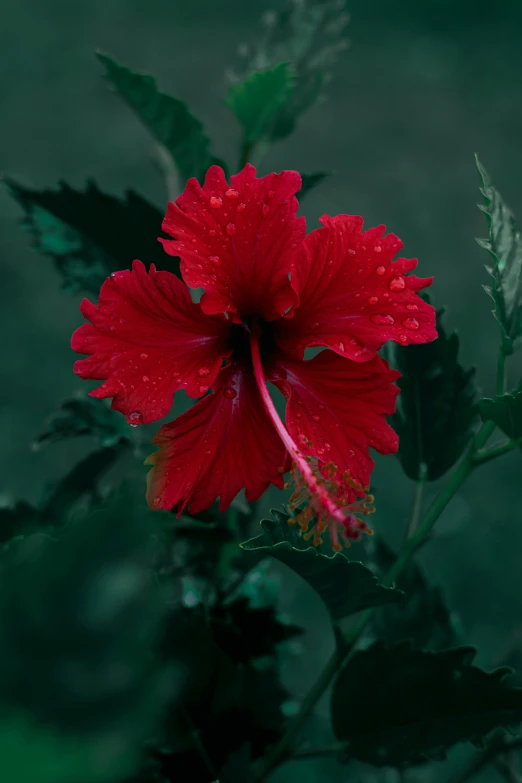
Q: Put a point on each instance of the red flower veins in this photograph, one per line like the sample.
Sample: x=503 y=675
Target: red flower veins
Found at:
x=270 y=292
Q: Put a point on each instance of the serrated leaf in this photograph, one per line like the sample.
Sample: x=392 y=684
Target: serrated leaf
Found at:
x=311 y=180
x=309 y=34
x=31 y=753
x=257 y=100
x=436 y=409
x=345 y=586
x=423 y=616
x=505 y=248
x=398 y=706
x=90 y=234
x=167 y=118
x=86 y=600
x=83 y=415
x=505 y=410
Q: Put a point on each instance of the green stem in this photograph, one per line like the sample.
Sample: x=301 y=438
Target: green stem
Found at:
x=501 y=372
x=411 y=545
x=485 y=455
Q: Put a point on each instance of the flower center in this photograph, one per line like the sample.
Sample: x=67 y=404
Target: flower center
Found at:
x=318 y=495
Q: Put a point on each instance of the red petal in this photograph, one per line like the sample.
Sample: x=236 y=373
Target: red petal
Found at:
x=239 y=242
x=223 y=443
x=340 y=406
x=148 y=340
x=353 y=298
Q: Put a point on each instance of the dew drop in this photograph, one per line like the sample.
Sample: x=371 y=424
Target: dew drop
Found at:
x=230 y=394
x=203 y=372
x=112 y=328
x=203 y=389
x=315 y=417
x=315 y=325
x=231 y=229
x=214 y=259
x=121 y=320
x=209 y=451
x=135 y=418
x=351 y=251
x=382 y=320
x=271 y=193
x=241 y=207
x=411 y=307
x=341 y=347
x=403 y=338
x=327 y=446
x=266 y=210
x=377 y=248
x=216 y=202
x=144 y=356
x=411 y=323
x=156 y=501
x=175 y=374
x=380 y=270
x=178 y=469
x=298 y=415
x=397 y=283
x=145 y=379
x=373 y=299
x=231 y=193
x=212 y=232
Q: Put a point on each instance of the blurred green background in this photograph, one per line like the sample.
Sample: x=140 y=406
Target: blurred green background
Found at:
x=423 y=86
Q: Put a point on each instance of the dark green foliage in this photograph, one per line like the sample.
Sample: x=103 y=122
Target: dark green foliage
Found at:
x=398 y=705
x=89 y=234
x=84 y=415
x=422 y=616
x=344 y=585
x=256 y=101
x=86 y=603
x=506 y=411
x=167 y=118
x=310 y=181
x=504 y=245
x=436 y=409
x=309 y=35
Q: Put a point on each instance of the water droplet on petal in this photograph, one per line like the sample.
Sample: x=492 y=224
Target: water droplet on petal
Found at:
x=382 y=320
x=298 y=415
x=397 y=283
x=403 y=338
x=156 y=501
x=135 y=418
x=266 y=210
x=112 y=327
x=241 y=207
x=341 y=347
x=212 y=232
x=144 y=356
x=411 y=307
x=216 y=202
x=377 y=248
x=315 y=417
x=373 y=299
x=231 y=229
x=203 y=389
x=351 y=251
x=203 y=372
x=178 y=469
x=209 y=451
x=230 y=394
x=271 y=193
x=121 y=320
x=315 y=325
x=380 y=270
x=411 y=323
x=175 y=374
x=145 y=379
x=232 y=193
x=214 y=259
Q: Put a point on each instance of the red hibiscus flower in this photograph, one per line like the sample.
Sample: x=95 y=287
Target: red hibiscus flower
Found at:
x=270 y=292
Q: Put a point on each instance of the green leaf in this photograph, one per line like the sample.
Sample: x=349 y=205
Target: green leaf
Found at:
x=397 y=706
x=422 y=616
x=344 y=585
x=87 y=601
x=311 y=180
x=83 y=415
x=506 y=411
x=505 y=248
x=436 y=409
x=167 y=118
x=309 y=34
x=31 y=753
x=256 y=101
x=89 y=234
